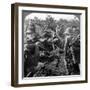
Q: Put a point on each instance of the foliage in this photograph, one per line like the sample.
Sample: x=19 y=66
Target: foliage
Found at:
x=48 y=46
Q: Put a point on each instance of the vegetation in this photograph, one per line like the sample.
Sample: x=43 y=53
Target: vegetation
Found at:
x=51 y=47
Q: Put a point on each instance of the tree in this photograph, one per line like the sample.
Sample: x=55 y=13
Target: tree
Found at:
x=50 y=22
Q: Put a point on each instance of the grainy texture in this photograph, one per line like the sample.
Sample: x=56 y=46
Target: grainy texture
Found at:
x=51 y=44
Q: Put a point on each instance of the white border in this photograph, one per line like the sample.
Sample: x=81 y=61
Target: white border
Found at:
x=58 y=78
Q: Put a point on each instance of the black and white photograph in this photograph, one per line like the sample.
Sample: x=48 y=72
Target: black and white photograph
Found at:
x=51 y=44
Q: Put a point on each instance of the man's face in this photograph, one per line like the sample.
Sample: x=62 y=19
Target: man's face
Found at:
x=30 y=34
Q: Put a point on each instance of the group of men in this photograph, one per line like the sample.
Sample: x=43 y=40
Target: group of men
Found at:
x=41 y=51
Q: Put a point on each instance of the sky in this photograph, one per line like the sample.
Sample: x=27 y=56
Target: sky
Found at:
x=42 y=16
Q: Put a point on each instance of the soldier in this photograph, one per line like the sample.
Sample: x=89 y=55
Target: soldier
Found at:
x=31 y=53
x=72 y=61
